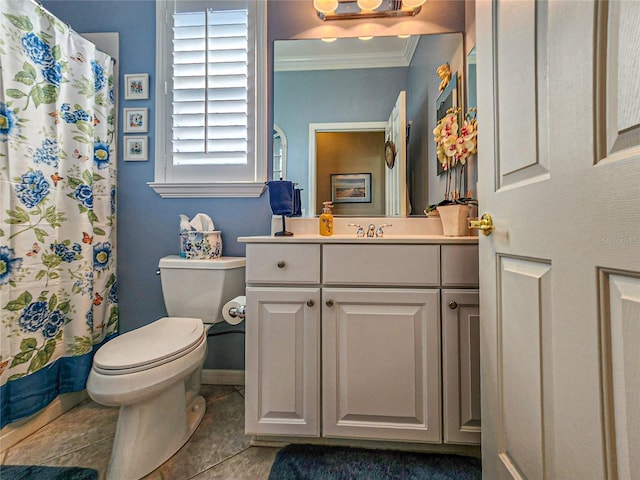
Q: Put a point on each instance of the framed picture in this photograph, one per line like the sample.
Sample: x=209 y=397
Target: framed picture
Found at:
x=135 y=120
x=136 y=86
x=136 y=148
x=351 y=188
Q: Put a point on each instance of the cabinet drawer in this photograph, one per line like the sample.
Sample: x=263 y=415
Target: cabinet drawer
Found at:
x=280 y=263
x=417 y=265
x=460 y=265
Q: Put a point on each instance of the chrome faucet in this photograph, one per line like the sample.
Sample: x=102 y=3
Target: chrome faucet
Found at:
x=372 y=231
x=359 y=231
x=380 y=232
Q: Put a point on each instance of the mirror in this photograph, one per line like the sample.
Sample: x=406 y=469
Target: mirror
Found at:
x=472 y=102
x=447 y=99
x=322 y=87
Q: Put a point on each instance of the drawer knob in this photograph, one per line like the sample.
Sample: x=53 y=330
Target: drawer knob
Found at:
x=310 y=303
x=453 y=305
x=329 y=303
x=281 y=264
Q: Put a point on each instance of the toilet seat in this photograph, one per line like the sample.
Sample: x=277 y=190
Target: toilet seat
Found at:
x=150 y=346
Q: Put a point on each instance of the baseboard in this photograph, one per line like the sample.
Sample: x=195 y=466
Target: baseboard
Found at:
x=222 y=377
x=280 y=441
x=17 y=431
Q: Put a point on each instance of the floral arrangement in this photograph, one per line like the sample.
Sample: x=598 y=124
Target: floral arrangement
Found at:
x=454 y=145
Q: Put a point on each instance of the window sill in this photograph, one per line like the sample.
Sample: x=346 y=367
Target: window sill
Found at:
x=208 y=190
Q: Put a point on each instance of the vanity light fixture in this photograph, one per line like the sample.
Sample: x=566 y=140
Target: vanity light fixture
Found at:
x=368 y=4
x=412 y=3
x=353 y=9
x=325 y=6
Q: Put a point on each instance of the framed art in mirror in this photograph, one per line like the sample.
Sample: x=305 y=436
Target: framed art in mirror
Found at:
x=351 y=188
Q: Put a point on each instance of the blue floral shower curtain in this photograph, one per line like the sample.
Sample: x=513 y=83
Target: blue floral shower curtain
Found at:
x=58 y=296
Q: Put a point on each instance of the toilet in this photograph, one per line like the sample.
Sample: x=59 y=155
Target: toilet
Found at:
x=153 y=373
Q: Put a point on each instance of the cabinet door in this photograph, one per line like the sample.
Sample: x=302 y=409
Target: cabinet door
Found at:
x=381 y=364
x=282 y=361
x=461 y=366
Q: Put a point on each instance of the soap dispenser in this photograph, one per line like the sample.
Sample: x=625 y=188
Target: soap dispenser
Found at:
x=326 y=220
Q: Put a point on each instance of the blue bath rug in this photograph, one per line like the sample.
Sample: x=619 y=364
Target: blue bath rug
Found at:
x=315 y=462
x=40 y=472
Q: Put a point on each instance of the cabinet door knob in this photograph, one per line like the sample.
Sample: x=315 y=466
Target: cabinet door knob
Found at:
x=310 y=303
x=281 y=264
x=453 y=305
x=329 y=303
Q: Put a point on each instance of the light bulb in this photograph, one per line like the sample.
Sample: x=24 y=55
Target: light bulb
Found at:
x=369 y=4
x=325 y=6
x=329 y=39
x=412 y=3
x=365 y=38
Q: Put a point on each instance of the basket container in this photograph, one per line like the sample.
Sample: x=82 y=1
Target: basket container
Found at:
x=201 y=245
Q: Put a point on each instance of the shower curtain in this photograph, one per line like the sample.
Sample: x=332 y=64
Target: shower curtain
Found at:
x=58 y=293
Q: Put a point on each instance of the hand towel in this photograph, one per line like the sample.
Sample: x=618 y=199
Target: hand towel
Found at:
x=297 y=203
x=281 y=197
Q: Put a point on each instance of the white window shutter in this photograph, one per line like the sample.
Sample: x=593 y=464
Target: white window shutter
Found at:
x=211 y=129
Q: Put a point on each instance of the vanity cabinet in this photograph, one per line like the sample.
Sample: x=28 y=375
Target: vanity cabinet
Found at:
x=381 y=364
x=282 y=390
x=346 y=340
x=282 y=384
x=461 y=366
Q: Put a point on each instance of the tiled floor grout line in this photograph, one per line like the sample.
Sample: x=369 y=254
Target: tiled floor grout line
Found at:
x=220 y=462
x=69 y=452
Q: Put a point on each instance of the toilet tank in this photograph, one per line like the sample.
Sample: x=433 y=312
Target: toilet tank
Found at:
x=200 y=288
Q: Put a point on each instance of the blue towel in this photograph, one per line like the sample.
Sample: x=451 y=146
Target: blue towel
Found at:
x=281 y=197
x=297 y=203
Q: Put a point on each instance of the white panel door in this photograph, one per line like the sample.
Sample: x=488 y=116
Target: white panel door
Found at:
x=396 y=177
x=559 y=171
x=282 y=361
x=381 y=364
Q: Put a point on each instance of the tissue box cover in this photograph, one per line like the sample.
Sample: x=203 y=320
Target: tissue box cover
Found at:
x=201 y=245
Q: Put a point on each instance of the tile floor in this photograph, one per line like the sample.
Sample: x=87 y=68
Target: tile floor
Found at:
x=218 y=449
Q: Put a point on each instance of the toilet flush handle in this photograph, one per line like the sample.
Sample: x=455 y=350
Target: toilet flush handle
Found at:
x=158 y=272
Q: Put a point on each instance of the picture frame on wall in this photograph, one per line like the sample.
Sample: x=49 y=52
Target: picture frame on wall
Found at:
x=136 y=86
x=136 y=148
x=135 y=120
x=351 y=188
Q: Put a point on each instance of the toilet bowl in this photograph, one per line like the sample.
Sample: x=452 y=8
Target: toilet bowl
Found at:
x=153 y=373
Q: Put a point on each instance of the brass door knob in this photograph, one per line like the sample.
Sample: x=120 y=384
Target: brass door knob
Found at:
x=485 y=224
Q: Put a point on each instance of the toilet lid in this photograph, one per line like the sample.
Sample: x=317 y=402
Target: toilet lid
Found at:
x=147 y=346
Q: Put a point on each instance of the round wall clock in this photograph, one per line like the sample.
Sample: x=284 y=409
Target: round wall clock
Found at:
x=389 y=153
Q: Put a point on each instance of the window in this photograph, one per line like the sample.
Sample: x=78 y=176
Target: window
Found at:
x=210 y=98
x=279 y=154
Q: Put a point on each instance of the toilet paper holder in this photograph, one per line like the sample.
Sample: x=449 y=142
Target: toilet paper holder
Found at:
x=238 y=312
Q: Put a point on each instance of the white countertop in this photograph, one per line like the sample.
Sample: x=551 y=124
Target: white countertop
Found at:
x=387 y=239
